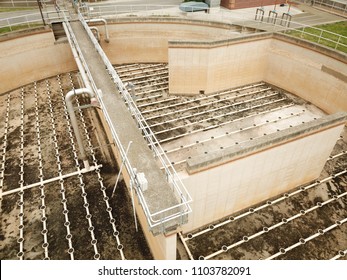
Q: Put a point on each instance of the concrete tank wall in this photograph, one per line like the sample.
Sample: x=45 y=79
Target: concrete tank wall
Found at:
x=32 y=57
x=196 y=68
x=145 y=40
x=312 y=72
x=313 y=75
x=254 y=174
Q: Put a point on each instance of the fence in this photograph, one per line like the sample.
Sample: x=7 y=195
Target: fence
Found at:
x=29 y=20
x=243 y=19
x=20 y=22
x=320 y=36
x=23 y=3
x=338 y=6
x=20 y=3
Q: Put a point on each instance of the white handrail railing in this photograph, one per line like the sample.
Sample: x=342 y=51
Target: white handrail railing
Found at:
x=243 y=19
x=30 y=20
x=178 y=188
x=180 y=209
x=333 y=5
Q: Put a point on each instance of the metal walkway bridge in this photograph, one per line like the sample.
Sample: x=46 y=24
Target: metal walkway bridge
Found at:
x=162 y=196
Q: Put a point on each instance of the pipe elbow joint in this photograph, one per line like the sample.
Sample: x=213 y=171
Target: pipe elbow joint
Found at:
x=94 y=102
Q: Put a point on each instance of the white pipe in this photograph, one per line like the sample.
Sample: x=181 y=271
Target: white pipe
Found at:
x=107 y=40
x=82 y=171
x=76 y=56
x=97 y=32
x=70 y=109
x=88 y=90
x=185 y=246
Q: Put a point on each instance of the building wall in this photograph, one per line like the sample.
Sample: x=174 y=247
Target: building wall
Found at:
x=225 y=189
x=240 y=4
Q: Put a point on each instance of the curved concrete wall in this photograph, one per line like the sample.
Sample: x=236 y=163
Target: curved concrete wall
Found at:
x=146 y=40
x=312 y=72
x=32 y=57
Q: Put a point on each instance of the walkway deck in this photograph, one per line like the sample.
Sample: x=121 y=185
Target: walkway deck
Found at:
x=159 y=195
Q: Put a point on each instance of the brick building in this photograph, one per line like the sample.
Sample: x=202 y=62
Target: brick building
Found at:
x=240 y=4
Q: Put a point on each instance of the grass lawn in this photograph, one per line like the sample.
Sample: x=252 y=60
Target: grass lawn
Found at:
x=4 y=10
x=327 y=39
x=18 y=27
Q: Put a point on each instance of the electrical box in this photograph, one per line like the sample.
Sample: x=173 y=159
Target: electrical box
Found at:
x=143 y=183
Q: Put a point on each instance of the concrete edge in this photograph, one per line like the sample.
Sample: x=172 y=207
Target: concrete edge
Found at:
x=203 y=162
x=168 y=19
x=263 y=36
x=313 y=46
x=220 y=43
x=24 y=33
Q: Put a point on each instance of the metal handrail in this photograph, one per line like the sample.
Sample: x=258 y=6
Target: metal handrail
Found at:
x=28 y=3
x=178 y=188
x=224 y=16
x=325 y=4
x=11 y=22
x=116 y=11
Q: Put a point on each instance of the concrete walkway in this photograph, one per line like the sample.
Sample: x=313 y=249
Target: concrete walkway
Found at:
x=159 y=195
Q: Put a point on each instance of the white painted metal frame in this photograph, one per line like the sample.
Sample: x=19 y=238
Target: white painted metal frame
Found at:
x=154 y=219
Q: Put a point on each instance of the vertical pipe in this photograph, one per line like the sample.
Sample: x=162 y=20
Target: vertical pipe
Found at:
x=69 y=105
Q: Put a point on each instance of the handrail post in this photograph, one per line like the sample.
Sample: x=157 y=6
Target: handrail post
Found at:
x=338 y=42
x=320 y=36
